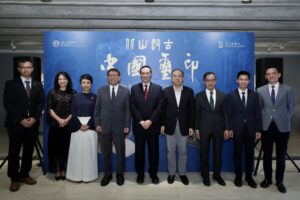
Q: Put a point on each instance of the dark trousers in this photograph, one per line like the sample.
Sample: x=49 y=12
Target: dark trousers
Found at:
x=18 y=137
x=106 y=140
x=205 y=139
x=151 y=136
x=243 y=143
x=281 y=140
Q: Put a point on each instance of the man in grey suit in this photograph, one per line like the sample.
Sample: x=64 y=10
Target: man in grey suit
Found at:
x=278 y=104
x=112 y=122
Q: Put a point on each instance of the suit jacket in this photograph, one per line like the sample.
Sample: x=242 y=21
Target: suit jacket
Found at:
x=239 y=115
x=18 y=106
x=283 y=109
x=208 y=120
x=113 y=118
x=144 y=110
x=185 y=112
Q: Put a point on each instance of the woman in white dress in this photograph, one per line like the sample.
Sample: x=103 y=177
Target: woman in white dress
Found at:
x=82 y=160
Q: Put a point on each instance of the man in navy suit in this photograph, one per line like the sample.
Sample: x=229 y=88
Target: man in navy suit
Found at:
x=145 y=104
x=245 y=126
x=278 y=103
x=177 y=123
x=24 y=101
x=211 y=126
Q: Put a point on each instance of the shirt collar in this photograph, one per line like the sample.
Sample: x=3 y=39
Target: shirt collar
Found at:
x=276 y=85
x=208 y=91
x=240 y=91
x=23 y=79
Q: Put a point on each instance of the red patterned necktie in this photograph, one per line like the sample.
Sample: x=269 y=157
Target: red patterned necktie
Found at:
x=146 y=92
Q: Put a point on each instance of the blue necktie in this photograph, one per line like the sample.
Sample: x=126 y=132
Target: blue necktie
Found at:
x=273 y=94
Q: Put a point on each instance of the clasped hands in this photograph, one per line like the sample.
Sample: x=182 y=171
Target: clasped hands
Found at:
x=27 y=123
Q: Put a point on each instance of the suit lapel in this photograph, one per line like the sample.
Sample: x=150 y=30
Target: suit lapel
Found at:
x=206 y=99
x=279 y=94
x=267 y=93
x=119 y=93
x=173 y=96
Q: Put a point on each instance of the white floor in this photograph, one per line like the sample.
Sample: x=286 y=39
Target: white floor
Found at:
x=48 y=188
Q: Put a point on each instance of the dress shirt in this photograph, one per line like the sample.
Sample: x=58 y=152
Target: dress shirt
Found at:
x=116 y=89
x=177 y=94
x=213 y=96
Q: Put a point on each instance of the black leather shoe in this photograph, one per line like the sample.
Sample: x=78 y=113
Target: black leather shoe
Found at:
x=140 y=179
x=219 y=180
x=105 y=180
x=281 y=187
x=154 y=179
x=184 y=179
x=206 y=181
x=266 y=183
x=120 y=179
x=238 y=182
x=251 y=182
x=171 y=179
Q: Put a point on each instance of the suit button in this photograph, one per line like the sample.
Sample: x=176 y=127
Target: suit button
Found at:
x=274 y=110
x=271 y=117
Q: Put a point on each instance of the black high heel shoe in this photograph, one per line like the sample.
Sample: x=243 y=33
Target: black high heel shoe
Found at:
x=57 y=178
x=62 y=178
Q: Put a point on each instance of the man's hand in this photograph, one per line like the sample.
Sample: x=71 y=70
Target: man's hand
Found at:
x=197 y=134
x=162 y=130
x=257 y=135
x=126 y=130
x=191 y=131
x=98 y=129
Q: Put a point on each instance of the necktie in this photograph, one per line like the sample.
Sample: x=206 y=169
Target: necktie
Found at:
x=211 y=101
x=27 y=88
x=146 y=92
x=273 y=94
x=244 y=99
x=113 y=95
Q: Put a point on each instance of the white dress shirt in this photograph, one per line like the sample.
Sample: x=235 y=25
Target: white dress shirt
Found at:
x=213 y=96
x=177 y=92
x=116 y=89
x=275 y=88
x=23 y=81
x=241 y=95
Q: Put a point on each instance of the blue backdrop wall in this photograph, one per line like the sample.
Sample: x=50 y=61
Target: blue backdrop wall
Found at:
x=78 y=52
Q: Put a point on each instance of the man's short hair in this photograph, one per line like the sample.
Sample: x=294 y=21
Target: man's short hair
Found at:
x=242 y=73
x=113 y=70
x=177 y=69
x=208 y=73
x=145 y=66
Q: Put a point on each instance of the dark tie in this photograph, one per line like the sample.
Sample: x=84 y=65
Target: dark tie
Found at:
x=27 y=88
x=244 y=99
x=211 y=101
x=113 y=95
x=146 y=92
x=273 y=94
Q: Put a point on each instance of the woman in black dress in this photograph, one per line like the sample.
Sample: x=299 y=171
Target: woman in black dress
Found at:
x=59 y=110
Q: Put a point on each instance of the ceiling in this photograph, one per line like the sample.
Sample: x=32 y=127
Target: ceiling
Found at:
x=276 y=23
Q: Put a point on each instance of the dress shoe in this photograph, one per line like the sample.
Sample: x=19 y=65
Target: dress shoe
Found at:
x=171 y=179
x=184 y=179
x=154 y=179
x=219 y=180
x=266 y=183
x=57 y=178
x=140 y=179
x=281 y=187
x=28 y=180
x=206 y=181
x=238 y=182
x=62 y=178
x=105 y=180
x=120 y=179
x=14 y=186
x=251 y=182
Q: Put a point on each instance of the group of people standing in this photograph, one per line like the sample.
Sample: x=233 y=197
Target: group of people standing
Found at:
x=76 y=120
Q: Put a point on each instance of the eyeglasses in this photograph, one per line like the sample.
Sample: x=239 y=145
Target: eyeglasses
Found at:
x=25 y=67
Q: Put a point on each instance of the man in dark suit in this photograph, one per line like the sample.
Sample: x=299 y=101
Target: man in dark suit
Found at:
x=245 y=125
x=24 y=101
x=211 y=126
x=278 y=103
x=177 y=123
x=112 y=121
x=145 y=103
